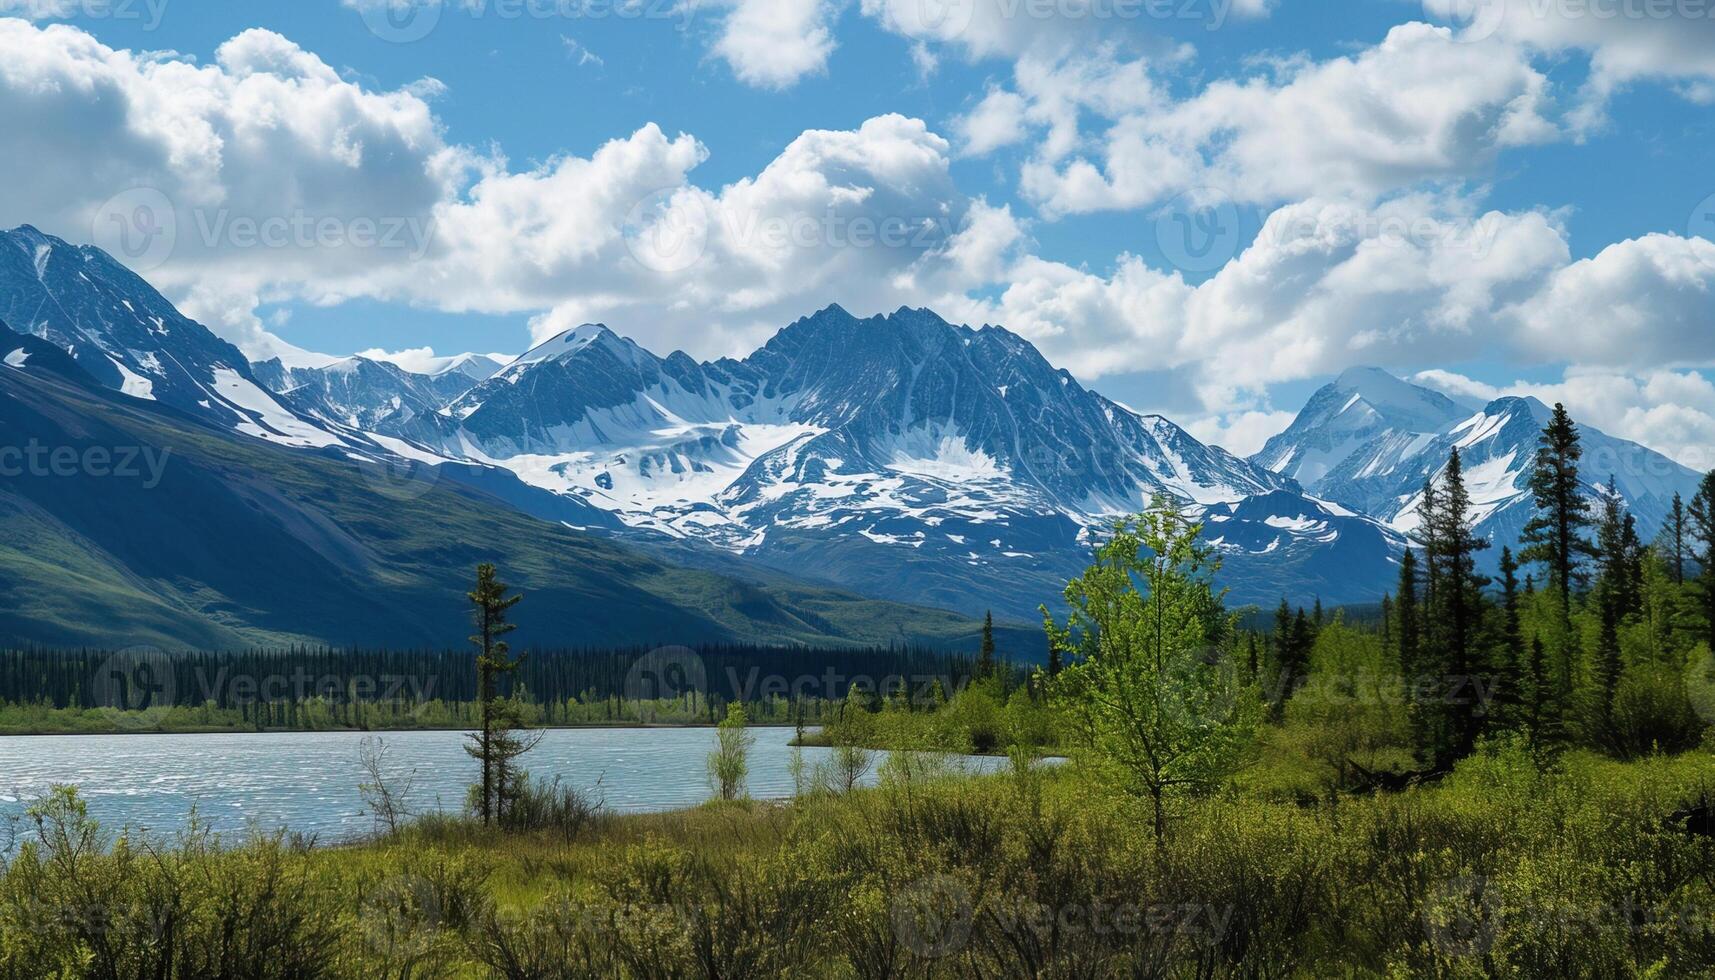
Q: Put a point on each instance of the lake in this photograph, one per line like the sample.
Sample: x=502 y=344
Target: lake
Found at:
x=307 y=781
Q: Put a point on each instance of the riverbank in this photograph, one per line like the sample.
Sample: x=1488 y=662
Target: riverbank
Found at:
x=1505 y=868
x=35 y=720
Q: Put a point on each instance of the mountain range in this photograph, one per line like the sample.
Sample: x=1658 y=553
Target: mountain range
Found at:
x=891 y=463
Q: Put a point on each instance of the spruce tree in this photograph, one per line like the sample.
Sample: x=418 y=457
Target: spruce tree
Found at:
x=985 y=660
x=1509 y=667
x=1554 y=538
x=1457 y=607
x=1676 y=542
x=1282 y=669
x=1409 y=630
x=1541 y=712
x=1611 y=601
x=494 y=744
x=1702 y=524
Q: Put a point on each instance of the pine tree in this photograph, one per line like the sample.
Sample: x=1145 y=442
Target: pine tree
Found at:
x=1614 y=599
x=1303 y=641
x=1675 y=533
x=1510 y=667
x=1284 y=669
x=1554 y=538
x=985 y=660
x=1409 y=625
x=1702 y=524
x=1457 y=607
x=1541 y=711
x=495 y=745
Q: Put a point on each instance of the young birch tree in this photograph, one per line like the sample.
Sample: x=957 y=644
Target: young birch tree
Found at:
x=1155 y=697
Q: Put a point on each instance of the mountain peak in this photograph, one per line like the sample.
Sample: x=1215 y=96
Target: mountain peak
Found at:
x=1360 y=377
x=569 y=342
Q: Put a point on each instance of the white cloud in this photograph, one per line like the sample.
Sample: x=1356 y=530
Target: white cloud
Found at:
x=1626 y=40
x=1417 y=107
x=1648 y=301
x=1325 y=285
x=775 y=43
x=1240 y=433
x=270 y=134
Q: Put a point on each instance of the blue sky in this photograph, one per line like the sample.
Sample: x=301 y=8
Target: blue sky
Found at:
x=1316 y=125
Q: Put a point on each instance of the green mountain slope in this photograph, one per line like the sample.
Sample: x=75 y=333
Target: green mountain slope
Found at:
x=243 y=543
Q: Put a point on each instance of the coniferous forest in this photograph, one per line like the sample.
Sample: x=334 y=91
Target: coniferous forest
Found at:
x=1502 y=774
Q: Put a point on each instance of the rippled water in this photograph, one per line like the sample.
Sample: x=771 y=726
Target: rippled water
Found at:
x=307 y=781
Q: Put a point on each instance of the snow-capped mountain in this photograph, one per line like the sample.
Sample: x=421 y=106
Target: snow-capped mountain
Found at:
x=364 y=393
x=1369 y=441
x=898 y=454
x=131 y=339
x=901 y=456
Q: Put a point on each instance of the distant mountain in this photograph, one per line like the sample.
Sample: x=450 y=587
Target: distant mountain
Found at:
x=1368 y=441
x=899 y=455
x=129 y=338
x=361 y=393
x=170 y=530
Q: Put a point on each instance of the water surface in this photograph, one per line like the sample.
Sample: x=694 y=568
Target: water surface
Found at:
x=308 y=781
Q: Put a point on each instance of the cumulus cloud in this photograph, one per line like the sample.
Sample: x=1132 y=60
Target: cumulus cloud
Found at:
x=1648 y=301
x=1625 y=40
x=774 y=43
x=868 y=217
x=1240 y=433
x=270 y=165
x=1419 y=106
x=1324 y=285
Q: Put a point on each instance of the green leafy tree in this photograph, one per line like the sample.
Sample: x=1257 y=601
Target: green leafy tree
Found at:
x=729 y=763
x=1149 y=685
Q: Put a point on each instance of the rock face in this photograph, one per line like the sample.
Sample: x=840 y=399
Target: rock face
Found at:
x=898 y=454
x=128 y=337
x=1369 y=441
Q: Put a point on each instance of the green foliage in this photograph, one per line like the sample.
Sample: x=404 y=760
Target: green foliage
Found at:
x=729 y=763
x=1150 y=688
